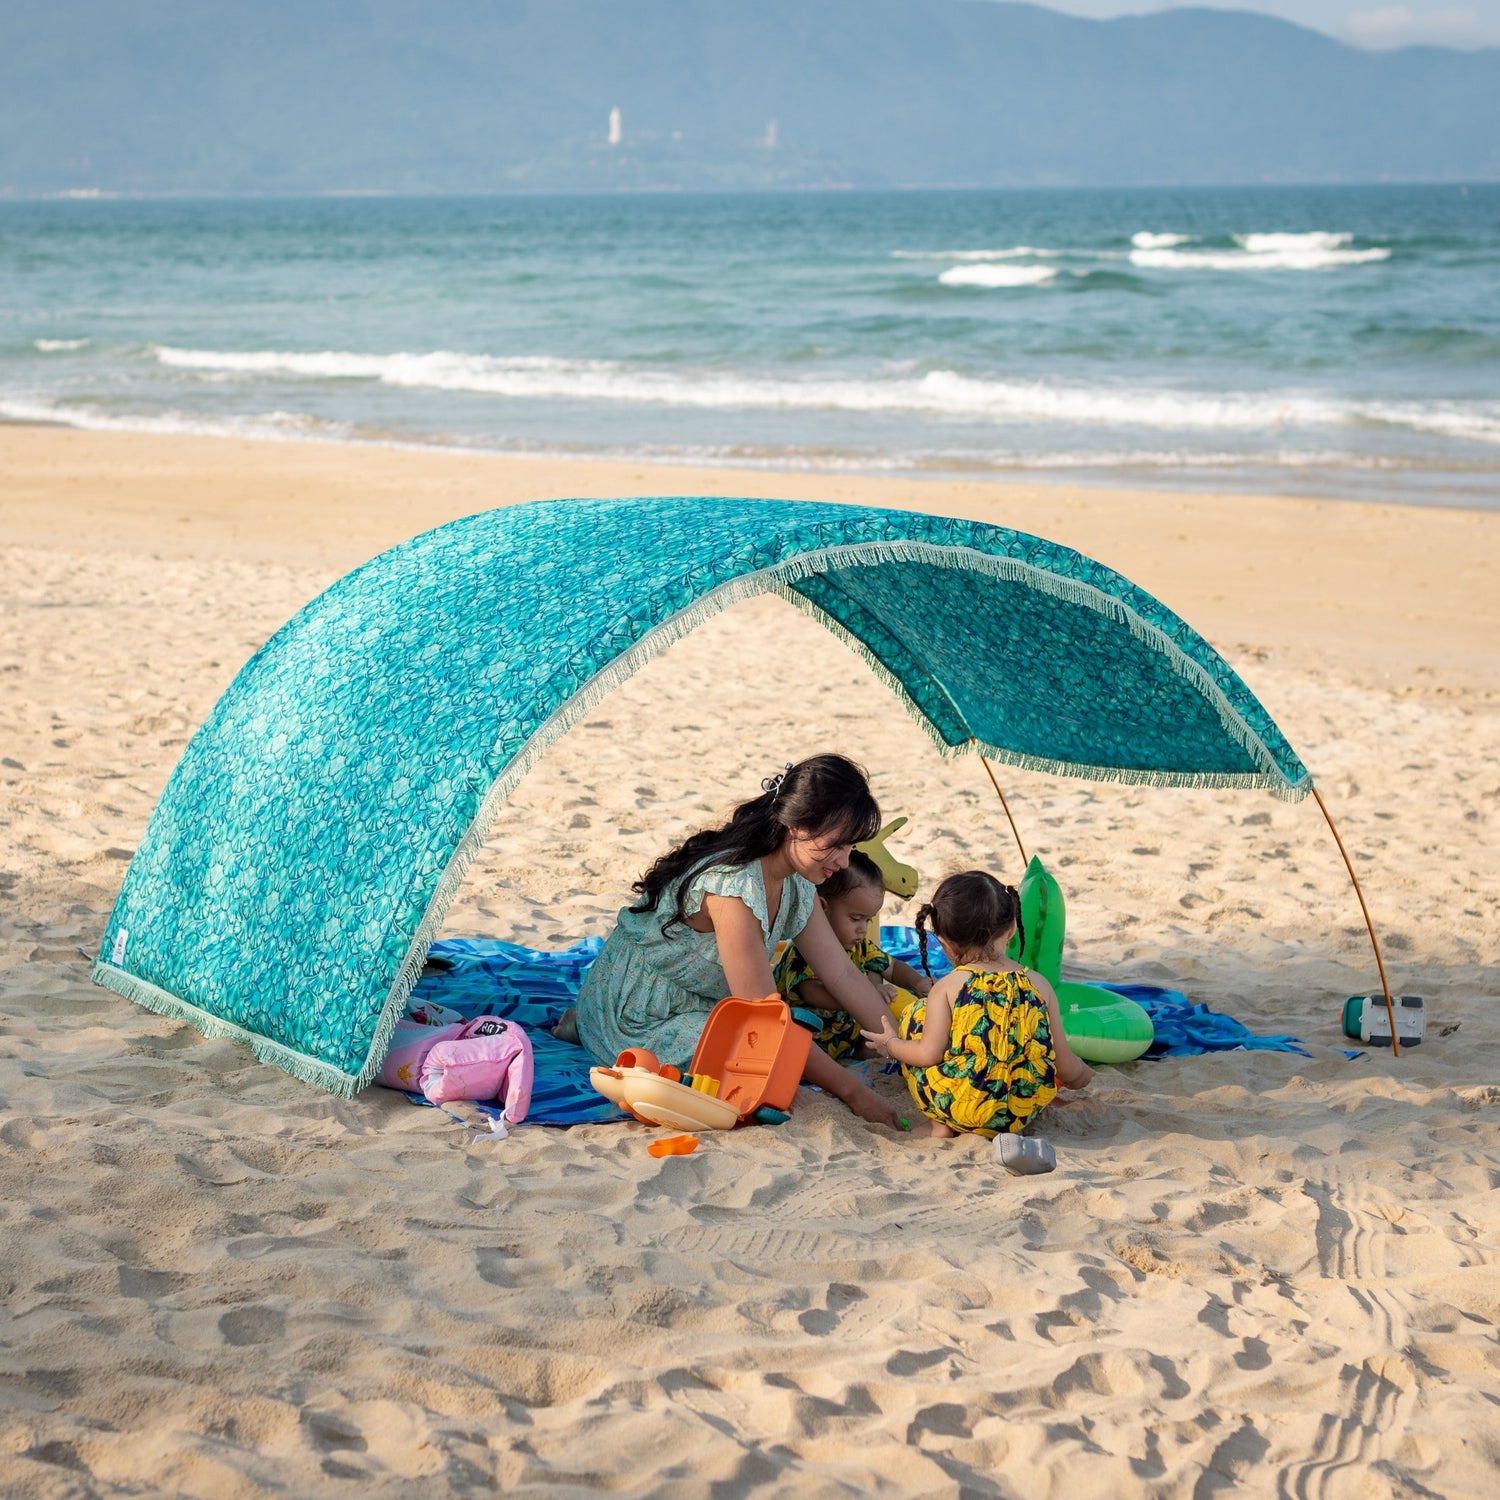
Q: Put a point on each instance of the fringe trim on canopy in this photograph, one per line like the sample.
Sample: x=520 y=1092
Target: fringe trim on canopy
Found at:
x=1071 y=591
x=298 y=1064
x=1127 y=775
x=779 y=580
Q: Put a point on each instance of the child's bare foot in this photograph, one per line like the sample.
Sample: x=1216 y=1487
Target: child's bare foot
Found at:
x=937 y=1131
x=566 y=1029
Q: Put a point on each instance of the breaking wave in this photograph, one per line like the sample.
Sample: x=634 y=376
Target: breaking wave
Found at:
x=1316 y=250
x=998 y=276
x=1016 y=252
x=279 y=426
x=937 y=392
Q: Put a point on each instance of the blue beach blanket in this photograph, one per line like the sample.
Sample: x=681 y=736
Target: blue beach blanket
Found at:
x=1184 y=1029
x=488 y=976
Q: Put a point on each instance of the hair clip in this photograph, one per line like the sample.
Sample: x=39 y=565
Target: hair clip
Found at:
x=772 y=784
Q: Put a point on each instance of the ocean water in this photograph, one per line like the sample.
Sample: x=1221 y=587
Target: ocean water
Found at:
x=1339 y=341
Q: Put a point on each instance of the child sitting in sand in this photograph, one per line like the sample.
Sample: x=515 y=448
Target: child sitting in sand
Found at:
x=985 y=1052
x=852 y=899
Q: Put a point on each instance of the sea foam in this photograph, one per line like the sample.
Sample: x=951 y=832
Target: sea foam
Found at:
x=277 y=426
x=1015 y=252
x=1313 y=239
x=939 y=392
x=1144 y=239
x=58 y=346
x=998 y=276
x=1317 y=250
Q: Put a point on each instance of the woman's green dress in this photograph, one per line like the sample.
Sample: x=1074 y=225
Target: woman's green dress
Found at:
x=654 y=991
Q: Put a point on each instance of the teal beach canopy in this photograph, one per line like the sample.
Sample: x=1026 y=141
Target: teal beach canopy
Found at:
x=301 y=859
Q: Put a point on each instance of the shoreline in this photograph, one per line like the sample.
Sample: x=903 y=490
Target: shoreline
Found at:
x=1411 y=594
x=1194 y=481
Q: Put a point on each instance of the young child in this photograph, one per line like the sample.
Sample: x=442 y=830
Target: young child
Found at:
x=852 y=899
x=985 y=1052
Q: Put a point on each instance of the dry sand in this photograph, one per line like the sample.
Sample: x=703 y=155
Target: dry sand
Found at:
x=1250 y=1270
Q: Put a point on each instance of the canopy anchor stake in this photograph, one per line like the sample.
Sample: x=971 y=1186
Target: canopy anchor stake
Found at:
x=1003 y=803
x=1390 y=1008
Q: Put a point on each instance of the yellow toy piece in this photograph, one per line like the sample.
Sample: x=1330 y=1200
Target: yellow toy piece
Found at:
x=900 y=879
x=901 y=1002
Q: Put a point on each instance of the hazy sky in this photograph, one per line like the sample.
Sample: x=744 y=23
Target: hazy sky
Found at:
x=1365 y=23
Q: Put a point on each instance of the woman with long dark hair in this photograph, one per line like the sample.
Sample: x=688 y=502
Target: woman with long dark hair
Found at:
x=712 y=911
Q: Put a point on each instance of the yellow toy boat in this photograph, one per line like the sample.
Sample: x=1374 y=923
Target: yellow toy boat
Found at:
x=750 y=1056
x=659 y=1101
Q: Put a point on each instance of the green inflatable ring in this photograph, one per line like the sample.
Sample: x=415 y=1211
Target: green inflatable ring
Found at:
x=1101 y=1026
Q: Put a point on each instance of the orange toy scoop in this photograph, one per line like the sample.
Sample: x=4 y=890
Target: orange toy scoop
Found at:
x=674 y=1145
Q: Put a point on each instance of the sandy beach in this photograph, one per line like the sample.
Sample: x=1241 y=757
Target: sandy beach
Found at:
x=1252 y=1271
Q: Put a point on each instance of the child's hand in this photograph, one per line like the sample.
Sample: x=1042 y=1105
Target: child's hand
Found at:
x=889 y=990
x=1081 y=1079
x=881 y=1040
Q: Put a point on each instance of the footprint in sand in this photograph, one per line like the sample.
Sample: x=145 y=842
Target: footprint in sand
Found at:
x=823 y=1320
x=252 y=1325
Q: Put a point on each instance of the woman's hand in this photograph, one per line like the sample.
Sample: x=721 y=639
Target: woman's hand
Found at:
x=875 y=1108
x=823 y=1072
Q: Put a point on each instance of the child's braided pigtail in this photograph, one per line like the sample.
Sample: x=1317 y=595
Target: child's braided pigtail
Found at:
x=923 y=913
x=1015 y=901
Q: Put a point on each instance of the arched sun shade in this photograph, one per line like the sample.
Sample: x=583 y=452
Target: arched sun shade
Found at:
x=304 y=852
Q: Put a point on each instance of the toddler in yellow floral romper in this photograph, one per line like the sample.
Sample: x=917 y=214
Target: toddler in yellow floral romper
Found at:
x=985 y=1052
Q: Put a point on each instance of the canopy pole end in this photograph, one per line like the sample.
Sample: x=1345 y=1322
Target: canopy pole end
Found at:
x=1390 y=1008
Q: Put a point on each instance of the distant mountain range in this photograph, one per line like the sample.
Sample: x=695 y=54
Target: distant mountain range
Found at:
x=294 y=96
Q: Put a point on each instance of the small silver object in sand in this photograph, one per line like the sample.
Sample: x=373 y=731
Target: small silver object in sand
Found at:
x=1023 y=1157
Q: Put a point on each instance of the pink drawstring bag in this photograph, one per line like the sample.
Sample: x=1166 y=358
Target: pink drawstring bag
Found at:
x=480 y=1059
